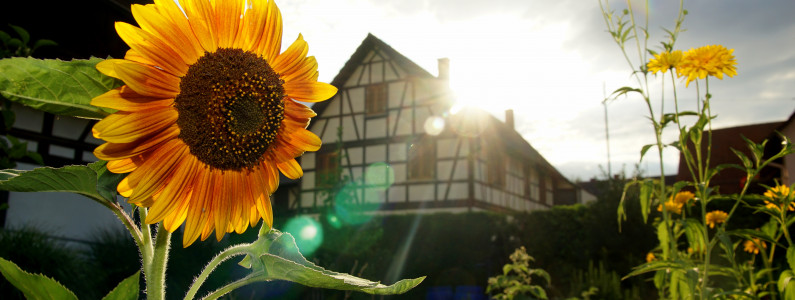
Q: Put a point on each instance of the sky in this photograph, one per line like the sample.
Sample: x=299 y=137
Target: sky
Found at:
x=552 y=61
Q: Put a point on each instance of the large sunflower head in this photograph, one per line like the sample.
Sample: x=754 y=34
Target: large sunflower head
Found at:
x=208 y=115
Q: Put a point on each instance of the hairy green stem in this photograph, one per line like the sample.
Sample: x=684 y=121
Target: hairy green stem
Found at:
x=251 y=278
x=156 y=286
x=147 y=251
x=217 y=260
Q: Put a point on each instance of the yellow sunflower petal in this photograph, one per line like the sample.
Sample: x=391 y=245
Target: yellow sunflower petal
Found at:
x=114 y=151
x=197 y=211
x=158 y=167
x=121 y=166
x=142 y=79
x=305 y=139
x=292 y=56
x=124 y=188
x=268 y=43
x=228 y=15
x=202 y=22
x=173 y=193
x=222 y=209
x=124 y=127
x=126 y=99
x=152 y=48
x=297 y=110
x=291 y=169
x=309 y=91
x=166 y=20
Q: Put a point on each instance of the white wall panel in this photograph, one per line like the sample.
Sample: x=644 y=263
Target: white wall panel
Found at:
x=376 y=128
x=353 y=80
x=307 y=199
x=375 y=154
x=397 y=193
x=397 y=152
x=356 y=97
x=396 y=90
x=317 y=127
x=355 y=155
x=330 y=135
x=308 y=160
x=400 y=172
x=403 y=123
x=458 y=191
x=421 y=192
x=377 y=70
x=308 y=181
x=348 y=129
x=333 y=108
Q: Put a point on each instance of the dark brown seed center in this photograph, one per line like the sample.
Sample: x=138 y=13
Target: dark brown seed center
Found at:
x=230 y=108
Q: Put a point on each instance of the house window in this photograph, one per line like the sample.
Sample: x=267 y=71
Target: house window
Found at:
x=328 y=169
x=375 y=99
x=422 y=160
x=496 y=169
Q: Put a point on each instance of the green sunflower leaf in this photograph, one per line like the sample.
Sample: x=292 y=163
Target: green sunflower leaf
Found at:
x=56 y=86
x=34 y=286
x=126 y=290
x=92 y=180
x=283 y=261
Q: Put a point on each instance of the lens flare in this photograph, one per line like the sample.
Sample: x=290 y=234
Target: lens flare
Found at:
x=307 y=233
x=434 y=125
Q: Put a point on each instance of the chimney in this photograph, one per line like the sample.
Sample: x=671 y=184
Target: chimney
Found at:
x=444 y=68
x=509 y=118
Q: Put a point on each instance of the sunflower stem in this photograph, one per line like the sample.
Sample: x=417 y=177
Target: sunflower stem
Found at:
x=232 y=286
x=217 y=260
x=156 y=285
x=147 y=248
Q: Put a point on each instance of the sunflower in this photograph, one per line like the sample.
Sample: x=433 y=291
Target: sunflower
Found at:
x=712 y=60
x=664 y=61
x=208 y=115
x=716 y=217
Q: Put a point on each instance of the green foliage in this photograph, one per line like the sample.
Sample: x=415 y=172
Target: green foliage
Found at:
x=19 y=46
x=698 y=229
x=34 y=286
x=55 y=86
x=93 y=181
x=598 y=283
x=126 y=290
x=516 y=279
x=282 y=260
x=36 y=252
x=12 y=150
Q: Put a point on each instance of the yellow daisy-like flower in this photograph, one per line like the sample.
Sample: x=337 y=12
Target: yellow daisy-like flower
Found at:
x=777 y=195
x=712 y=60
x=682 y=197
x=716 y=217
x=750 y=246
x=664 y=61
x=650 y=257
x=208 y=116
x=671 y=206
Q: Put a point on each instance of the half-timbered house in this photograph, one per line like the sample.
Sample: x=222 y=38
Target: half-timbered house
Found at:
x=395 y=141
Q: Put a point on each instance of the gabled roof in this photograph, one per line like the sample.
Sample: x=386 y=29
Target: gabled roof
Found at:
x=371 y=43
